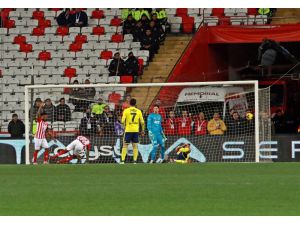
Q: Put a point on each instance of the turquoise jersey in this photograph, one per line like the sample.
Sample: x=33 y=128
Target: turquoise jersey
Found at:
x=154 y=123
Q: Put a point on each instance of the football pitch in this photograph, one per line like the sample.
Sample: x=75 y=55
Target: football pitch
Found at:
x=158 y=189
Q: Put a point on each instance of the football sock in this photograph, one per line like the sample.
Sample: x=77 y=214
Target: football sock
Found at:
x=46 y=155
x=124 y=153
x=135 y=154
x=35 y=154
x=66 y=160
x=58 y=154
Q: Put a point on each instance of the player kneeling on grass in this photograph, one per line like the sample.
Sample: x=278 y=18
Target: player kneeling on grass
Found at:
x=183 y=154
x=42 y=131
x=80 y=146
x=156 y=134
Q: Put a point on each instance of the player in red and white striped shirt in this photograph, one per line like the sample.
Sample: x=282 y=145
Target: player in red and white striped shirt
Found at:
x=40 y=140
x=79 y=146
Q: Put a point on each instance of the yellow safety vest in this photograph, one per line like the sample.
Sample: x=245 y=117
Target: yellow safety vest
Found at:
x=262 y=11
x=125 y=13
x=162 y=14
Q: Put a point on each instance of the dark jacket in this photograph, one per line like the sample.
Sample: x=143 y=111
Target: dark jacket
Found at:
x=129 y=26
x=116 y=67
x=132 y=66
x=63 y=113
x=137 y=33
x=16 y=129
x=237 y=127
x=107 y=122
x=82 y=18
x=84 y=126
x=50 y=110
x=63 y=19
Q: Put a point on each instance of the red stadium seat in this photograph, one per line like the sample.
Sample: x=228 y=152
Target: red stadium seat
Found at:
x=224 y=20
x=62 y=31
x=141 y=66
x=56 y=9
x=75 y=47
x=106 y=55
x=97 y=14
x=81 y=38
x=117 y=38
x=19 y=39
x=70 y=72
x=25 y=47
x=126 y=79
x=187 y=25
x=114 y=98
x=10 y=24
x=116 y=22
x=98 y=30
x=38 y=31
x=44 y=56
x=44 y=23
x=38 y=14
x=218 y=12
x=252 y=11
x=182 y=12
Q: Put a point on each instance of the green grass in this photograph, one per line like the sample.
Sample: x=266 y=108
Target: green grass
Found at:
x=166 y=189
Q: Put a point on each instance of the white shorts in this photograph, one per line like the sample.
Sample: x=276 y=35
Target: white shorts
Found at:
x=77 y=147
x=40 y=143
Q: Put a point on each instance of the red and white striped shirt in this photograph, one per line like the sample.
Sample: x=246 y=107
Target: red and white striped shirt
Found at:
x=84 y=141
x=41 y=128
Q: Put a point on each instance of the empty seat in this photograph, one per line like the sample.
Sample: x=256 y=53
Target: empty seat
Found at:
x=38 y=31
x=62 y=31
x=44 y=56
x=10 y=24
x=182 y=12
x=126 y=79
x=75 y=47
x=187 y=24
x=98 y=30
x=70 y=72
x=19 y=39
x=38 y=15
x=98 y=14
x=116 y=22
x=81 y=38
x=44 y=23
x=25 y=47
x=106 y=55
x=117 y=38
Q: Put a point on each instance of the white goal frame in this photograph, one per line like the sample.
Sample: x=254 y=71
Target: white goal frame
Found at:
x=251 y=82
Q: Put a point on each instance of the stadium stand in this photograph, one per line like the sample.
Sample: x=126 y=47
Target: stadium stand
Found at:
x=38 y=51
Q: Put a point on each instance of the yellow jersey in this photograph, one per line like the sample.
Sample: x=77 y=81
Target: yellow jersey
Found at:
x=132 y=118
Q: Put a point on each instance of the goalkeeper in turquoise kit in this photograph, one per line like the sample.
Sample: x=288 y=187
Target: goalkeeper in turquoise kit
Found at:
x=156 y=134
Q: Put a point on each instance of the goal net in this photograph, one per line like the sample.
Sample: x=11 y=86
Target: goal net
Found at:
x=220 y=120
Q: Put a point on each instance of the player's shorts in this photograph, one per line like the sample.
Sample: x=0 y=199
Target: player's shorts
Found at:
x=77 y=147
x=182 y=156
x=156 y=139
x=40 y=143
x=131 y=137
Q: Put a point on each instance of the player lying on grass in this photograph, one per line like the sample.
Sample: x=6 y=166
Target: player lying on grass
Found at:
x=80 y=146
x=42 y=131
x=156 y=134
x=182 y=154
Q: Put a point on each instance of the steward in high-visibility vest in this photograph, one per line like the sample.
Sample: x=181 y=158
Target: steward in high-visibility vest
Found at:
x=263 y=11
x=125 y=13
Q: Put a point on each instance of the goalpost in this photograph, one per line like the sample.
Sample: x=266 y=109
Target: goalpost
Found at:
x=101 y=106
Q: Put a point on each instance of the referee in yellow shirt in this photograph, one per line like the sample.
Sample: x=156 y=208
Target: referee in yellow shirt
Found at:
x=132 y=119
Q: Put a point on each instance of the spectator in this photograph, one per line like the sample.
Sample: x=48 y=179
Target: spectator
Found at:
x=170 y=126
x=107 y=121
x=156 y=32
x=148 y=43
x=132 y=66
x=184 y=124
x=75 y=95
x=16 y=127
x=89 y=92
x=126 y=103
x=63 y=18
x=161 y=111
x=138 y=32
x=138 y=14
x=129 y=25
x=279 y=122
x=49 y=109
x=216 y=126
x=125 y=13
x=63 y=111
x=98 y=108
x=35 y=108
x=119 y=129
x=236 y=125
x=200 y=124
x=79 y=18
x=145 y=22
x=88 y=125
x=116 y=66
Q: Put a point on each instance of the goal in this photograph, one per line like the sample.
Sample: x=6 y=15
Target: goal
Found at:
x=222 y=121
